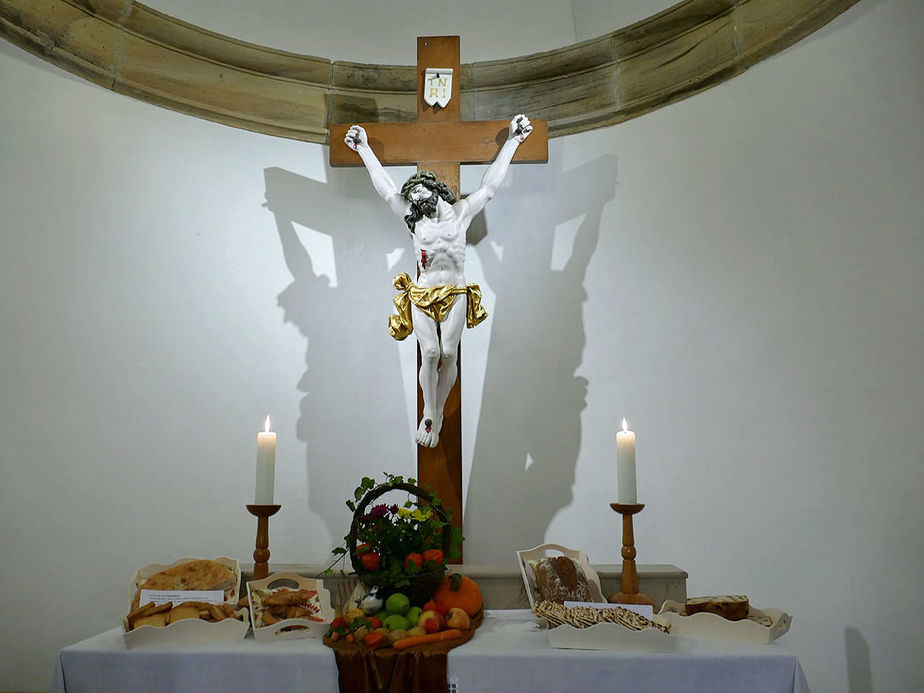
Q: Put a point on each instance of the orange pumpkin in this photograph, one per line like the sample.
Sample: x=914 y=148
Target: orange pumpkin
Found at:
x=461 y=591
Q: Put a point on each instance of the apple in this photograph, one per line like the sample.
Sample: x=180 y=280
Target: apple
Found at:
x=433 y=621
x=457 y=618
x=396 y=622
x=413 y=615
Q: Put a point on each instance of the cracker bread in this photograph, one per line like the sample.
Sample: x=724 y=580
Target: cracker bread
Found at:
x=157 y=620
x=178 y=613
x=586 y=616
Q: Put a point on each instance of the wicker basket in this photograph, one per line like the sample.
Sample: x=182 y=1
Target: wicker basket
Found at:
x=424 y=584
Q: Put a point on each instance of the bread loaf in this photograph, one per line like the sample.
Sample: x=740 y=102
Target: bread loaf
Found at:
x=193 y=575
x=733 y=608
x=760 y=618
x=560 y=579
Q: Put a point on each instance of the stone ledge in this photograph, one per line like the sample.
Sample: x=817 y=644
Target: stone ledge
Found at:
x=132 y=49
x=502 y=584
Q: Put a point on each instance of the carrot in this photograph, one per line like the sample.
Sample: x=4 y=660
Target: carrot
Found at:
x=429 y=638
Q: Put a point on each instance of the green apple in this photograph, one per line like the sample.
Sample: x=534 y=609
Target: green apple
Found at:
x=397 y=603
x=413 y=614
x=396 y=622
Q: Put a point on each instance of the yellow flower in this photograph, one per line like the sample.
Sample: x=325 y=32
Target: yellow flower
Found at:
x=415 y=514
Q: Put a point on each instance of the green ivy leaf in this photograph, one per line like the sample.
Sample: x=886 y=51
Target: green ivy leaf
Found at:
x=455 y=544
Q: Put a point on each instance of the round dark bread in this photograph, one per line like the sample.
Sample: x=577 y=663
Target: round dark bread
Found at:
x=560 y=579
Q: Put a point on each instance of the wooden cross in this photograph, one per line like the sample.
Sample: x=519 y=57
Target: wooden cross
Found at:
x=439 y=141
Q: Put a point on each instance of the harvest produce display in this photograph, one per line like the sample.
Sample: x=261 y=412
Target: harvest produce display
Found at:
x=454 y=611
x=399 y=552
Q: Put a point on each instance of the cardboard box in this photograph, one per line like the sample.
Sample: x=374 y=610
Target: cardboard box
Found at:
x=526 y=559
x=188 y=631
x=707 y=625
x=290 y=628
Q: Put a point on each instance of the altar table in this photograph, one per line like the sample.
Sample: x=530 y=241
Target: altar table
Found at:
x=508 y=652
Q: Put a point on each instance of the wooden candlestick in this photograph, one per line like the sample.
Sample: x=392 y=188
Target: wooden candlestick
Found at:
x=261 y=554
x=629 y=593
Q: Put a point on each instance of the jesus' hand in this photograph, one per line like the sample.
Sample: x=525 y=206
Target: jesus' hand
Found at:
x=520 y=127
x=355 y=136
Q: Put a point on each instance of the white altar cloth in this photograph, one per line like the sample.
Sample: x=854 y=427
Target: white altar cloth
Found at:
x=508 y=653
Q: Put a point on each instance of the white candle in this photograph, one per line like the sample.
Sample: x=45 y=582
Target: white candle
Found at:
x=266 y=465
x=625 y=465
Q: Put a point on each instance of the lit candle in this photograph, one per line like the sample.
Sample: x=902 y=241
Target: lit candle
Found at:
x=625 y=464
x=266 y=465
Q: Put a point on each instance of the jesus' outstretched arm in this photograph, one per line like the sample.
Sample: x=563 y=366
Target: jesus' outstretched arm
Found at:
x=357 y=140
x=494 y=176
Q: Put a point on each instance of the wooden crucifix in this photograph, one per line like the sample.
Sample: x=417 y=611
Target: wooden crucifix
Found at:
x=438 y=142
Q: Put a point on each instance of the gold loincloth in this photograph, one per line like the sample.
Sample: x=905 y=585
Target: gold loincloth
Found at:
x=435 y=301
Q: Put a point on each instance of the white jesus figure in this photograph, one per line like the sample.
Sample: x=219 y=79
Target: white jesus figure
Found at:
x=440 y=303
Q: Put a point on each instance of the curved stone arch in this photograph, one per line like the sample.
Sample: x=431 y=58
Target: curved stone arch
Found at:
x=135 y=50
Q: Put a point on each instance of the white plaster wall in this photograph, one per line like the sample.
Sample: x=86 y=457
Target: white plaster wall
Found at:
x=740 y=274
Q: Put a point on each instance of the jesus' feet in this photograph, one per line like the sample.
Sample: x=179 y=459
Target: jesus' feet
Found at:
x=428 y=433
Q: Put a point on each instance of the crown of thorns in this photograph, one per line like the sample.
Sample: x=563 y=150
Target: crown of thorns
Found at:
x=429 y=180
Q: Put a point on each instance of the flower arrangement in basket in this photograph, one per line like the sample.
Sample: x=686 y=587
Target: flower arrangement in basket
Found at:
x=402 y=546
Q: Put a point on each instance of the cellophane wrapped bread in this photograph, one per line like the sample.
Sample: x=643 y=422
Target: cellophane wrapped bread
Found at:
x=560 y=579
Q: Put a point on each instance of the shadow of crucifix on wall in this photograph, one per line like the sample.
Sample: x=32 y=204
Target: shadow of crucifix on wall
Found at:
x=540 y=240
x=333 y=239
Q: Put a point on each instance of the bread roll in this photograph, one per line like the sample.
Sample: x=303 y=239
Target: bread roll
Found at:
x=733 y=608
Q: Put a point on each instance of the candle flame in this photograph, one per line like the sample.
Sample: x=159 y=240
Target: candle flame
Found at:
x=625 y=426
x=266 y=425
